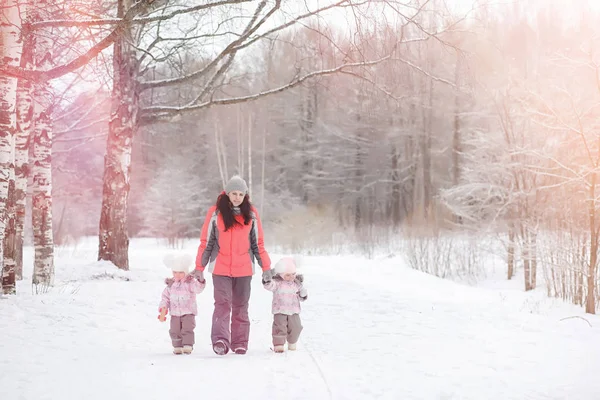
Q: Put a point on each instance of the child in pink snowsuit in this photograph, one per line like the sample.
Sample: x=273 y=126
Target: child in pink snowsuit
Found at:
x=288 y=291
x=179 y=298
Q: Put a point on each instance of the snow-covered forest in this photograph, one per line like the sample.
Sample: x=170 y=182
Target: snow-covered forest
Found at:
x=425 y=127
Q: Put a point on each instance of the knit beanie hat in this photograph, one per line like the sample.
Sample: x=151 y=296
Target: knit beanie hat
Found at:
x=236 y=183
x=286 y=265
x=179 y=262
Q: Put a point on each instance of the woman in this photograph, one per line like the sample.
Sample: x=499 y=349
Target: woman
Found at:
x=231 y=240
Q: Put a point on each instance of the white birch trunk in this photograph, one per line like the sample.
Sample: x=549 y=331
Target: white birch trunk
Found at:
x=10 y=51
x=250 y=155
x=224 y=155
x=240 y=141
x=262 y=178
x=113 y=238
x=9 y=227
x=43 y=265
x=43 y=239
x=218 y=151
x=22 y=139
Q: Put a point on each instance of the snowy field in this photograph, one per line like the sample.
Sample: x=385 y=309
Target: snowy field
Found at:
x=373 y=329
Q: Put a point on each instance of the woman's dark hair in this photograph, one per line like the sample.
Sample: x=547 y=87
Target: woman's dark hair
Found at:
x=226 y=210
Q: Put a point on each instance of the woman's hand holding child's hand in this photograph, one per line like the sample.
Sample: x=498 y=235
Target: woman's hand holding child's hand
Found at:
x=267 y=276
x=198 y=275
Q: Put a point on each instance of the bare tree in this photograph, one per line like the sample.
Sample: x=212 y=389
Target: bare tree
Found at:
x=133 y=57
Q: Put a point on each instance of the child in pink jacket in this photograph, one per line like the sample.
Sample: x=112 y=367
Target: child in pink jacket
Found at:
x=179 y=298
x=288 y=291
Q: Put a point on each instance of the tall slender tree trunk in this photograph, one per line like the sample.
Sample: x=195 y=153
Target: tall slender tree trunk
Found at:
x=262 y=172
x=10 y=232
x=396 y=187
x=410 y=150
x=113 y=237
x=359 y=175
x=43 y=266
x=533 y=256
x=43 y=241
x=528 y=256
x=240 y=141
x=456 y=137
x=526 y=269
x=10 y=52
x=220 y=159
x=579 y=292
x=590 y=301
x=250 y=122
x=22 y=140
x=511 y=253
x=426 y=151
x=308 y=115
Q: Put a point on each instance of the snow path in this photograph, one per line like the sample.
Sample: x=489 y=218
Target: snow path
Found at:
x=372 y=330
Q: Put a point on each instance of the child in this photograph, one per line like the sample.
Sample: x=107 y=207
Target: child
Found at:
x=288 y=292
x=179 y=297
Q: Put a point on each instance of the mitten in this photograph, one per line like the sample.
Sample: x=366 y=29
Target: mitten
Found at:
x=169 y=281
x=162 y=317
x=299 y=278
x=303 y=294
x=267 y=276
x=198 y=275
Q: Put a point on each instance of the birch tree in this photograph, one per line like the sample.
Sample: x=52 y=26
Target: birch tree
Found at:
x=43 y=269
x=10 y=55
x=14 y=247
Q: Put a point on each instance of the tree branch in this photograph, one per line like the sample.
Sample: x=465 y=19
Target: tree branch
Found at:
x=142 y=20
x=577 y=316
x=164 y=113
x=229 y=50
x=296 y=20
x=61 y=70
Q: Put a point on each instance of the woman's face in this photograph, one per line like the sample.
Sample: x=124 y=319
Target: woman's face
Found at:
x=236 y=197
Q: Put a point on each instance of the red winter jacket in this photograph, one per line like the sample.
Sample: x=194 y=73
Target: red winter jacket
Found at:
x=231 y=253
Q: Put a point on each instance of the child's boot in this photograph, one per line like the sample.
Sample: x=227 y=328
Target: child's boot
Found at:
x=292 y=346
x=187 y=349
x=278 y=349
x=177 y=350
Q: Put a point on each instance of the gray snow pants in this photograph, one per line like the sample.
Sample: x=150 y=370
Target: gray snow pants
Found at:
x=182 y=330
x=230 y=322
x=286 y=327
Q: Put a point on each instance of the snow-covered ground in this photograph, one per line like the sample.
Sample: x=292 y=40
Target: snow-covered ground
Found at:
x=373 y=329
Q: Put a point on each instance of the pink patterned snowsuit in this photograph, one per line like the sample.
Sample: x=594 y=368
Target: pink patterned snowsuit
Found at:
x=286 y=310
x=179 y=297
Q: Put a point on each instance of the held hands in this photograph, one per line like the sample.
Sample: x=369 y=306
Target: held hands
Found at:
x=162 y=317
x=198 y=275
x=267 y=276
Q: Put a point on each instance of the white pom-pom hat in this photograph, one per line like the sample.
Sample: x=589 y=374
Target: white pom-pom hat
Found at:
x=178 y=262
x=287 y=265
